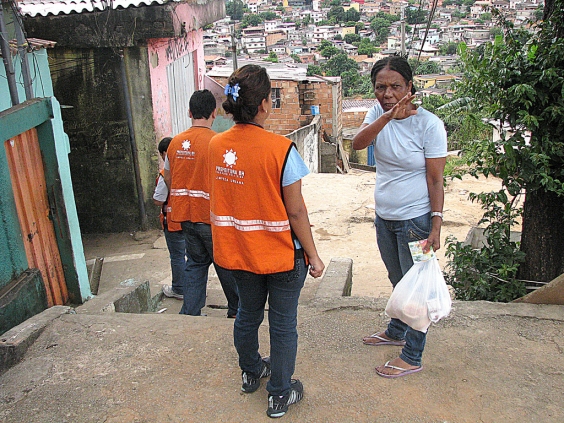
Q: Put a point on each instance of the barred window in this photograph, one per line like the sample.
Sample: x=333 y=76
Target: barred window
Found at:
x=275 y=94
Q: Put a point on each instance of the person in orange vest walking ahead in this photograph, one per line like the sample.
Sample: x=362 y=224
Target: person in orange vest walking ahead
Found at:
x=172 y=232
x=261 y=232
x=186 y=173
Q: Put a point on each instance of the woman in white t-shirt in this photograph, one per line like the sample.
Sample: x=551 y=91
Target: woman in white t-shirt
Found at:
x=410 y=148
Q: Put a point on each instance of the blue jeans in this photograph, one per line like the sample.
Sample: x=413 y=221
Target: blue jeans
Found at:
x=283 y=291
x=199 y=248
x=177 y=252
x=392 y=237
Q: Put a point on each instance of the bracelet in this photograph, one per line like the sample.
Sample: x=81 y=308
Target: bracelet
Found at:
x=433 y=214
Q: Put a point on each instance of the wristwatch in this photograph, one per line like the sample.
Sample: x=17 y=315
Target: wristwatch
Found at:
x=433 y=214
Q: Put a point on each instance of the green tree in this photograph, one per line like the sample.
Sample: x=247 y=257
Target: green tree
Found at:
x=296 y=58
x=314 y=70
x=367 y=47
x=352 y=15
x=424 y=68
x=337 y=13
x=388 y=17
x=235 y=9
x=448 y=49
x=359 y=26
x=414 y=15
x=251 y=20
x=495 y=31
x=362 y=86
x=272 y=57
x=459 y=14
x=327 y=49
x=538 y=13
x=518 y=81
x=352 y=38
x=381 y=28
x=268 y=16
x=339 y=64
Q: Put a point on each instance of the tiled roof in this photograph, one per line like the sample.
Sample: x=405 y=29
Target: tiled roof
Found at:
x=358 y=105
x=65 y=7
x=32 y=45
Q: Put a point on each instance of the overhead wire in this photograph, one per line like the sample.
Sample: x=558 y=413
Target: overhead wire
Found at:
x=431 y=15
x=416 y=21
x=29 y=51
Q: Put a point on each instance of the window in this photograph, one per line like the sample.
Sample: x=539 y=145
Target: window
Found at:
x=275 y=94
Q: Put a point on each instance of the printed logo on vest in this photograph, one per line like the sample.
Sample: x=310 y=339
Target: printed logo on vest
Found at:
x=227 y=173
x=185 y=153
x=230 y=158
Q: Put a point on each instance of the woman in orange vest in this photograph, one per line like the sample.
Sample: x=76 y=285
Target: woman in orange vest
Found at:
x=261 y=232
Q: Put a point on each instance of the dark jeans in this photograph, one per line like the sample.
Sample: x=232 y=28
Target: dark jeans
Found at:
x=392 y=237
x=176 y=245
x=283 y=291
x=199 y=248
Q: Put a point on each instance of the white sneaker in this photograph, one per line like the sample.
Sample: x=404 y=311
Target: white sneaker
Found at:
x=168 y=292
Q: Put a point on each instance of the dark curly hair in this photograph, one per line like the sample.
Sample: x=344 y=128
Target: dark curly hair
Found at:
x=395 y=63
x=254 y=86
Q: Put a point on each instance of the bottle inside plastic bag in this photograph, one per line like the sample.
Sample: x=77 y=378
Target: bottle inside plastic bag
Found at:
x=421 y=296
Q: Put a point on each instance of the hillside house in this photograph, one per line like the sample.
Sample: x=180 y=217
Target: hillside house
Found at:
x=124 y=85
x=293 y=95
x=253 y=39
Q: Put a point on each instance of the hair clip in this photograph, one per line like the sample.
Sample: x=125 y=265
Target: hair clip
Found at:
x=233 y=90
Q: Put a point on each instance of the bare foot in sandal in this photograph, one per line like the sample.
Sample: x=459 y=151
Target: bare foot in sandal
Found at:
x=381 y=339
x=397 y=368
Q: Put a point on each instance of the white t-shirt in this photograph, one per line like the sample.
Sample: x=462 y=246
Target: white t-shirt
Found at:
x=400 y=150
x=161 y=190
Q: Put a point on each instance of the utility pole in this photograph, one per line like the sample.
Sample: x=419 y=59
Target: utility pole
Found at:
x=22 y=50
x=234 y=47
x=403 y=30
x=7 y=58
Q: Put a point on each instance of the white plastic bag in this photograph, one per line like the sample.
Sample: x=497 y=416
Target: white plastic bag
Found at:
x=421 y=297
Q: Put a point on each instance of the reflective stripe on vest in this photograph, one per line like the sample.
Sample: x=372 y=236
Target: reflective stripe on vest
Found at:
x=251 y=225
x=178 y=192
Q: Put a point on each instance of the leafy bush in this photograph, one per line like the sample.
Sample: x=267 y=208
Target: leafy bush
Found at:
x=488 y=273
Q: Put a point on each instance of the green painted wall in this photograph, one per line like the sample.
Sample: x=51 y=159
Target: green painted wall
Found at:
x=55 y=148
x=13 y=260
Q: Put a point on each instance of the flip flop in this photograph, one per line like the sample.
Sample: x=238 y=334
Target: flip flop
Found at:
x=383 y=341
x=404 y=372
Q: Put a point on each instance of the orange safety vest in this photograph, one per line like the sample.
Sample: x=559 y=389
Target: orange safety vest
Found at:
x=189 y=191
x=165 y=212
x=250 y=226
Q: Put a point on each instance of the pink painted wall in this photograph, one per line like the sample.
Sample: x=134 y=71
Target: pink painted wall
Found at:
x=162 y=52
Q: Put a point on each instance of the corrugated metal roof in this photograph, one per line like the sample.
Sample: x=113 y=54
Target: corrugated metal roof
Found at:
x=64 y=7
x=358 y=105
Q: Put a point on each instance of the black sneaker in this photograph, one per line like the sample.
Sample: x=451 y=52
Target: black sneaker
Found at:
x=278 y=405
x=251 y=382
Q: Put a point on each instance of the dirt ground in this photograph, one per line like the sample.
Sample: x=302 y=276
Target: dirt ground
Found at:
x=341 y=210
x=486 y=362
